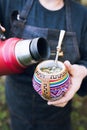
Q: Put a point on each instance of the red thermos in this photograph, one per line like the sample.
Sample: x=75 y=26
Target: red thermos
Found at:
x=17 y=54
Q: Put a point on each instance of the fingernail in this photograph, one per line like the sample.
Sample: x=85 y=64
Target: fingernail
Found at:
x=49 y=103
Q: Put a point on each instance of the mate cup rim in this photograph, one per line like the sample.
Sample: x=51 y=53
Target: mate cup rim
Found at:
x=50 y=63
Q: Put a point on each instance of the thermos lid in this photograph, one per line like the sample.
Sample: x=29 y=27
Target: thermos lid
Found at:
x=39 y=49
x=31 y=50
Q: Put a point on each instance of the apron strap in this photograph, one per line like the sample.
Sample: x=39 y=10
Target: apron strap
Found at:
x=68 y=16
x=25 y=11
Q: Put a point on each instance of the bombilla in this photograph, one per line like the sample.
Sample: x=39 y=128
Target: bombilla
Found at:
x=61 y=36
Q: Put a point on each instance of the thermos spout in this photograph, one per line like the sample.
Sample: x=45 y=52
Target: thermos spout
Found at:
x=17 y=54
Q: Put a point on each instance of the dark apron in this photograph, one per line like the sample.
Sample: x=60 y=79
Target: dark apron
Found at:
x=28 y=110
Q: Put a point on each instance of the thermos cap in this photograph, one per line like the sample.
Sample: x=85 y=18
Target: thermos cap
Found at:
x=28 y=51
x=39 y=49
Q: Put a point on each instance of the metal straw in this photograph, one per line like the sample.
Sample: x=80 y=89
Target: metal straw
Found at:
x=61 y=36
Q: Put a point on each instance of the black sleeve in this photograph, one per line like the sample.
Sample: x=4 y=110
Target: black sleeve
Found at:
x=83 y=89
x=83 y=61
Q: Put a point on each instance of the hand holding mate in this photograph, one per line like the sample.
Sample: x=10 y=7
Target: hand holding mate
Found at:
x=77 y=74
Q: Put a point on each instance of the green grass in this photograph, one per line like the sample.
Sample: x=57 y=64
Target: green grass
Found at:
x=79 y=113
x=78 y=116
x=4 y=114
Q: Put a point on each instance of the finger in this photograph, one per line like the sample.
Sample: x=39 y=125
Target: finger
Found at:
x=62 y=104
x=2 y=28
x=68 y=96
x=67 y=63
x=68 y=66
x=58 y=105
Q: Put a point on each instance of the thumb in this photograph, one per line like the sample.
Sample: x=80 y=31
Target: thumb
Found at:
x=68 y=66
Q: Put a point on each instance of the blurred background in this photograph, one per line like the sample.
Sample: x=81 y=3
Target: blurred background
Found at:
x=78 y=116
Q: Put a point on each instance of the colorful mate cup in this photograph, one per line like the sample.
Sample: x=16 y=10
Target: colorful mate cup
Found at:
x=49 y=81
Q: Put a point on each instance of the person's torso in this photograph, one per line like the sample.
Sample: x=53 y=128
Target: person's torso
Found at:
x=41 y=22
